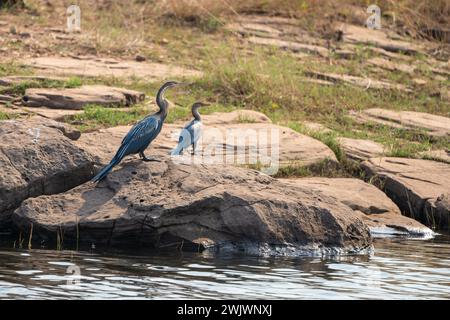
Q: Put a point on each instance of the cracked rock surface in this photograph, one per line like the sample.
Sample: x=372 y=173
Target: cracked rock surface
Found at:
x=167 y=204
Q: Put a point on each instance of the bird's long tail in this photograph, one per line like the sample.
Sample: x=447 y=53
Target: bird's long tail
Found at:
x=104 y=172
x=177 y=150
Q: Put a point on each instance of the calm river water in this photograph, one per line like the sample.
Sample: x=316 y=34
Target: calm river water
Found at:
x=399 y=269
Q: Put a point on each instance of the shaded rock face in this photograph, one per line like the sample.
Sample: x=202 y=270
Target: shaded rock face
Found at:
x=419 y=187
x=77 y=98
x=367 y=202
x=164 y=204
x=37 y=157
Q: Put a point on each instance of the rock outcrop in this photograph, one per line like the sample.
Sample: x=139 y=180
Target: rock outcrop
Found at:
x=165 y=204
x=97 y=67
x=439 y=155
x=360 y=149
x=238 y=116
x=419 y=187
x=77 y=98
x=367 y=202
x=366 y=83
x=432 y=124
x=377 y=38
x=15 y=80
x=225 y=143
x=392 y=66
x=37 y=157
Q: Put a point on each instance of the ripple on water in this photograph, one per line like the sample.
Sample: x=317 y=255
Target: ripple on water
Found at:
x=399 y=269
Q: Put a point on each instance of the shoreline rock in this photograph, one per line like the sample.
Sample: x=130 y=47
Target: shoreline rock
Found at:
x=419 y=187
x=37 y=157
x=166 y=204
x=369 y=203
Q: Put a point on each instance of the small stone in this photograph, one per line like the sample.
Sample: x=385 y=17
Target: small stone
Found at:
x=25 y=35
x=140 y=58
x=419 y=82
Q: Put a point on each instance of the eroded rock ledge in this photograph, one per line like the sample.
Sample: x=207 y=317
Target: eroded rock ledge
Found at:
x=378 y=211
x=165 y=204
x=419 y=187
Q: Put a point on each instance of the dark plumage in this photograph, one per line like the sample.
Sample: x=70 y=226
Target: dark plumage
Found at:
x=191 y=132
x=142 y=133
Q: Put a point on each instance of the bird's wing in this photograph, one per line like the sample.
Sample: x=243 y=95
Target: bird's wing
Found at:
x=141 y=134
x=195 y=131
x=147 y=124
x=184 y=130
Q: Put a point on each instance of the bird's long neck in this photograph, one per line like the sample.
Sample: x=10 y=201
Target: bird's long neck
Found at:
x=162 y=103
x=195 y=113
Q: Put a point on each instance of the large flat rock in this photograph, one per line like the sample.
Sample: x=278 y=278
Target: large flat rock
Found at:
x=278 y=32
x=236 y=144
x=77 y=98
x=434 y=125
x=49 y=113
x=391 y=65
x=98 y=67
x=170 y=205
x=38 y=157
x=15 y=80
x=366 y=83
x=360 y=149
x=368 y=202
x=290 y=45
x=419 y=187
x=438 y=155
x=238 y=116
x=378 y=38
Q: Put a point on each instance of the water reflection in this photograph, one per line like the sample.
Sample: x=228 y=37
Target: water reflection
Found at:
x=399 y=269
